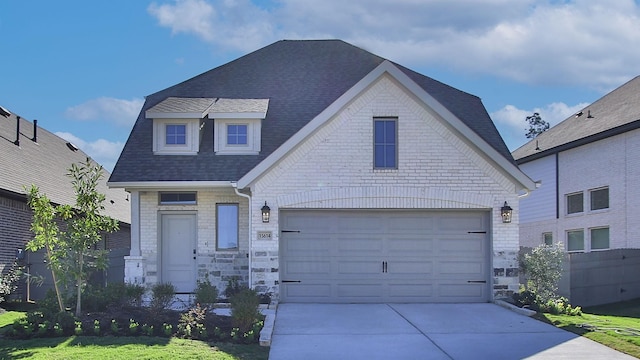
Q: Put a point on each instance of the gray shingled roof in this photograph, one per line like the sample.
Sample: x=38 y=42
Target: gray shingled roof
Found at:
x=45 y=164
x=616 y=112
x=300 y=78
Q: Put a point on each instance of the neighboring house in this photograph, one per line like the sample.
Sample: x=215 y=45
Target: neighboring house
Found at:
x=32 y=155
x=318 y=172
x=588 y=201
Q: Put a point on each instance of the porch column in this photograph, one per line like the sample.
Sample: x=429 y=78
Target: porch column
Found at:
x=134 y=263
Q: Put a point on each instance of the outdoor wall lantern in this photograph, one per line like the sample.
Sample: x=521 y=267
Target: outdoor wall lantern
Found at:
x=266 y=213
x=506 y=211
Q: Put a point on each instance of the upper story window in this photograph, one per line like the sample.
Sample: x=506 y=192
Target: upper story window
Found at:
x=178 y=198
x=575 y=203
x=385 y=143
x=599 y=198
x=237 y=134
x=175 y=134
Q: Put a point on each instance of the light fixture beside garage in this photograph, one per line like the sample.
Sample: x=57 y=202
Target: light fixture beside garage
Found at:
x=266 y=213
x=506 y=211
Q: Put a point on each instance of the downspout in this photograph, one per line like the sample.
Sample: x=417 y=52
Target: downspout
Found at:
x=235 y=188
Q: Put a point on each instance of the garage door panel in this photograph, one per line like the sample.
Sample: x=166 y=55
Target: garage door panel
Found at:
x=360 y=291
x=359 y=243
x=310 y=292
x=359 y=267
x=417 y=267
x=308 y=267
x=418 y=291
x=468 y=268
x=384 y=256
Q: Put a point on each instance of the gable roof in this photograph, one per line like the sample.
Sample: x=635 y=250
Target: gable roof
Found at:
x=45 y=162
x=613 y=114
x=301 y=78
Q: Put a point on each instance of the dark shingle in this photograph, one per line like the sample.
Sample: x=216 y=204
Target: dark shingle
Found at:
x=300 y=79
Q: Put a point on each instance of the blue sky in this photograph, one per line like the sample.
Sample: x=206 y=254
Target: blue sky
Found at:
x=83 y=68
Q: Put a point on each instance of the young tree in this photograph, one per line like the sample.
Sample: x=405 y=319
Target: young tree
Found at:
x=85 y=226
x=543 y=270
x=536 y=125
x=45 y=228
x=73 y=252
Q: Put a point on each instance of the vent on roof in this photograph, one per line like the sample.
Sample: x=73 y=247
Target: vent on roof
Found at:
x=589 y=116
x=35 y=131
x=4 y=112
x=17 y=142
x=72 y=147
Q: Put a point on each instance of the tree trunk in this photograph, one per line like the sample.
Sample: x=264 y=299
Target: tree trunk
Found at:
x=55 y=280
x=79 y=286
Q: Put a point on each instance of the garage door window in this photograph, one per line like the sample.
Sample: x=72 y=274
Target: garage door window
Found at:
x=385 y=149
x=227 y=226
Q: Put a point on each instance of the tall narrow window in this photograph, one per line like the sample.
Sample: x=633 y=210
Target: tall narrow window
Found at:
x=575 y=203
x=575 y=240
x=385 y=147
x=176 y=134
x=236 y=134
x=599 y=199
x=547 y=238
x=227 y=226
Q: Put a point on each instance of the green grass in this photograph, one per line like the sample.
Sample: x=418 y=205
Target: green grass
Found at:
x=615 y=325
x=110 y=347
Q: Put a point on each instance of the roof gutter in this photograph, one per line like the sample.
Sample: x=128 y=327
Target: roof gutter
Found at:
x=169 y=184
x=235 y=188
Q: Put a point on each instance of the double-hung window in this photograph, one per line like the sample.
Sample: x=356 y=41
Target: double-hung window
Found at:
x=176 y=134
x=599 y=238
x=385 y=143
x=227 y=226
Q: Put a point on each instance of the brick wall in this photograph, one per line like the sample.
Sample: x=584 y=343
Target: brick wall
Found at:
x=334 y=169
x=15 y=224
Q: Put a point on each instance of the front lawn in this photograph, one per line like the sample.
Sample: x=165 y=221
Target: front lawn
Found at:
x=615 y=325
x=110 y=347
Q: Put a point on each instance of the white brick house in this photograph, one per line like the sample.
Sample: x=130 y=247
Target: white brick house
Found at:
x=383 y=185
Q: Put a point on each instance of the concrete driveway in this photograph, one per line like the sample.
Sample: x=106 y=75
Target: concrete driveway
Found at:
x=422 y=331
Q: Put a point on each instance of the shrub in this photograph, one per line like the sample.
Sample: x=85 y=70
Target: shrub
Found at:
x=244 y=309
x=233 y=287
x=8 y=282
x=113 y=294
x=191 y=324
x=543 y=269
x=162 y=295
x=206 y=293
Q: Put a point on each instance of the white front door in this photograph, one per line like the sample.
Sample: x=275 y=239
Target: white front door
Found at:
x=178 y=249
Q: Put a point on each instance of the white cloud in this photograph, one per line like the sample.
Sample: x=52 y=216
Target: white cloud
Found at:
x=513 y=126
x=104 y=152
x=580 y=42
x=117 y=111
x=233 y=24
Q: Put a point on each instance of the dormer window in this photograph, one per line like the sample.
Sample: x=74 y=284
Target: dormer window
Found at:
x=237 y=134
x=176 y=134
x=237 y=124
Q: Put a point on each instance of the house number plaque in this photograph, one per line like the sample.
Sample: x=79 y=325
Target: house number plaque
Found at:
x=264 y=235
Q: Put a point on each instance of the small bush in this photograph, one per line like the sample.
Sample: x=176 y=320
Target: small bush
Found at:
x=8 y=282
x=233 y=287
x=191 y=324
x=543 y=269
x=162 y=295
x=244 y=309
x=206 y=293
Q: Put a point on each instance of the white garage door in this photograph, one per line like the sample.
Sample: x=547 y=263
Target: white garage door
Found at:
x=343 y=256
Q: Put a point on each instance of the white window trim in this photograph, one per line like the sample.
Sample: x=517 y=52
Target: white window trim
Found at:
x=220 y=146
x=596 y=228
x=192 y=137
x=584 y=241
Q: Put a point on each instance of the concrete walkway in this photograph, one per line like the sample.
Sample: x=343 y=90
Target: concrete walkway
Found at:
x=422 y=331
